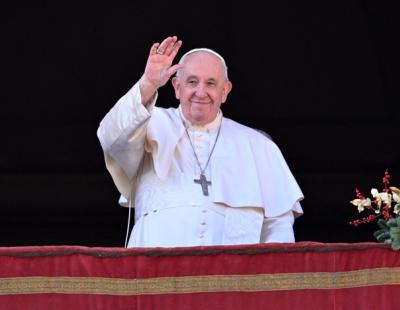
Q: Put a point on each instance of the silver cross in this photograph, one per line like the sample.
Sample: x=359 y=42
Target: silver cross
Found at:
x=204 y=183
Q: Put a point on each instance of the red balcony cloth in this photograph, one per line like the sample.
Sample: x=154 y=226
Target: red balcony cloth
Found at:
x=304 y=275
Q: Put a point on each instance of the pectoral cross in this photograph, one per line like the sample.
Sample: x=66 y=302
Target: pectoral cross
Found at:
x=204 y=183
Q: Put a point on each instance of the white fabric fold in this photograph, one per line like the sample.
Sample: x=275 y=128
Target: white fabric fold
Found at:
x=248 y=168
x=247 y=171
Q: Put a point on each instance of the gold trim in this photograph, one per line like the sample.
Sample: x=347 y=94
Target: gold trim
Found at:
x=201 y=284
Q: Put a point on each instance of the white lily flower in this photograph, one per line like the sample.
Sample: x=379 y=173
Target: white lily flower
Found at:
x=374 y=193
x=381 y=197
x=396 y=193
x=361 y=203
x=396 y=197
x=378 y=200
x=386 y=198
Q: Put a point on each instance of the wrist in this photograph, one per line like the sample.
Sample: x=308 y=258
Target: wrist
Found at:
x=147 y=90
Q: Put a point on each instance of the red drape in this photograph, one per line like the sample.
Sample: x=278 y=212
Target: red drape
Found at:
x=302 y=275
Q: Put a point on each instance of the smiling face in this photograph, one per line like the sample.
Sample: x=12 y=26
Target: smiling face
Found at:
x=201 y=87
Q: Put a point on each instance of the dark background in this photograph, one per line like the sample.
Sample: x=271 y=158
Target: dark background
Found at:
x=320 y=77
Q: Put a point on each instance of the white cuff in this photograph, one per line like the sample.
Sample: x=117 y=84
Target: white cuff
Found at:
x=278 y=229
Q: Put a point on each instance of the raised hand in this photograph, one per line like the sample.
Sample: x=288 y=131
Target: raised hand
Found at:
x=159 y=67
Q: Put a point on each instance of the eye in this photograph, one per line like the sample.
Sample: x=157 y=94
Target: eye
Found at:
x=192 y=82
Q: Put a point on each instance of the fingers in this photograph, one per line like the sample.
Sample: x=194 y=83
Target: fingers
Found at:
x=159 y=64
x=173 y=69
x=162 y=49
x=168 y=47
x=175 y=48
x=153 y=49
x=172 y=44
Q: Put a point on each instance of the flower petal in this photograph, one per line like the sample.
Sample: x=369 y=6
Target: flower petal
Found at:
x=356 y=202
x=396 y=209
x=396 y=197
x=386 y=198
x=374 y=193
x=366 y=202
x=395 y=190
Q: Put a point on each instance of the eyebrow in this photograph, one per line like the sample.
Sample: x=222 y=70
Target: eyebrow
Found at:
x=195 y=77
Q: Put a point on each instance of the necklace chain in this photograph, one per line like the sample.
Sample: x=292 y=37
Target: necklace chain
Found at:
x=202 y=170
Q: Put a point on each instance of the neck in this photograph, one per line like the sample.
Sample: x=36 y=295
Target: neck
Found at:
x=213 y=124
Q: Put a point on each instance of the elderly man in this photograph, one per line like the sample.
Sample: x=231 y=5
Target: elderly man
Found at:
x=195 y=177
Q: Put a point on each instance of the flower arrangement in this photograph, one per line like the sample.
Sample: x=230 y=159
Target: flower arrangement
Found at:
x=383 y=207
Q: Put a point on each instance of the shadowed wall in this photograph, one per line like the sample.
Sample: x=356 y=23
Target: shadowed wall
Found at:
x=321 y=79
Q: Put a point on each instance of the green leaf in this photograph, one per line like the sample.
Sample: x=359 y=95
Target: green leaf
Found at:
x=392 y=223
x=383 y=236
x=382 y=223
x=380 y=231
x=398 y=221
x=396 y=246
x=395 y=233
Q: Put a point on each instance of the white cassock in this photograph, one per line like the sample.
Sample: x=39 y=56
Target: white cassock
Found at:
x=253 y=196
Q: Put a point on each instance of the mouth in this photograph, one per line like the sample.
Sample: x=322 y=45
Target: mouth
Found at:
x=200 y=102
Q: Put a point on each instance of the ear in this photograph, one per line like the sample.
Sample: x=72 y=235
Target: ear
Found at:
x=226 y=90
x=176 y=84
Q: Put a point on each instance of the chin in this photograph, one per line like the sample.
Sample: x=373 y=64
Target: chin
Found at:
x=199 y=121
x=200 y=115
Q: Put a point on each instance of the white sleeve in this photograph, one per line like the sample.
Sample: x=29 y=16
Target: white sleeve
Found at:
x=278 y=229
x=122 y=131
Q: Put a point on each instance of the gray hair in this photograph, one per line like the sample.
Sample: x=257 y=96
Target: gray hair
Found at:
x=207 y=50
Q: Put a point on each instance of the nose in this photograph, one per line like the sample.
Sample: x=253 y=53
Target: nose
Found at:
x=201 y=90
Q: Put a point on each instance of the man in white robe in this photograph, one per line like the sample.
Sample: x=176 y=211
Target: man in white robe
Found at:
x=194 y=177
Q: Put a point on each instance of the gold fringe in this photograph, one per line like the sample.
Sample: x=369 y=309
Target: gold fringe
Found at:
x=200 y=284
